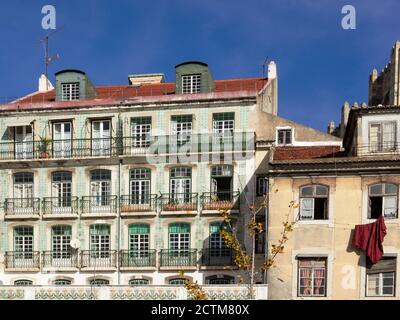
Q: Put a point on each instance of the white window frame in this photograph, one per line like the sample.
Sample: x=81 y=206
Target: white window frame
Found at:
x=382 y=145
x=191 y=83
x=70 y=91
x=277 y=136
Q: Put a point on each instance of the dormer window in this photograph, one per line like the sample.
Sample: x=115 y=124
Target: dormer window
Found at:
x=284 y=136
x=191 y=83
x=70 y=91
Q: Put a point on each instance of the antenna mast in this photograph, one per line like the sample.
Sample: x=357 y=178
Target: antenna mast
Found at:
x=47 y=58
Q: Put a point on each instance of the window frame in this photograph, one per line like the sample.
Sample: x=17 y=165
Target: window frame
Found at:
x=392 y=145
x=380 y=279
x=285 y=137
x=315 y=259
x=70 y=91
x=314 y=196
x=384 y=195
x=191 y=83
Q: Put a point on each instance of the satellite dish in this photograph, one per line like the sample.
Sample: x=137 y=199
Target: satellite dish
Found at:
x=75 y=243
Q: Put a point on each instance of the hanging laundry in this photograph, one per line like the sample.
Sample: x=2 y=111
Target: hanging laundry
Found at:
x=369 y=238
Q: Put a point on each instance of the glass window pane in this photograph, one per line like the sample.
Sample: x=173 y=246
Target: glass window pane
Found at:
x=376 y=189
x=321 y=191
x=390 y=188
x=307 y=191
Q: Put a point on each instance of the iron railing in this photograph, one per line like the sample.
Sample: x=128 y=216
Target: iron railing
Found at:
x=178 y=258
x=22 y=206
x=98 y=259
x=59 y=259
x=22 y=260
x=60 y=205
x=127 y=146
x=138 y=203
x=220 y=200
x=217 y=257
x=179 y=201
x=137 y=259
x=380 y=148
x=99 y=204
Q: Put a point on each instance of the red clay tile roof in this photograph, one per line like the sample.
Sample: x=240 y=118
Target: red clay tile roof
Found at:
x=146 y=90
x=312 y=152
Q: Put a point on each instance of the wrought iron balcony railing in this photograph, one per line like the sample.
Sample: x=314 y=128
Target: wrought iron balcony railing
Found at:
x=99 y=204
x=22 y=260
x=137 y=259
x=178 y=258
x=61 y=205
x=59 y=259
x=127 y=146
x=138 y=203
x=179 y=201
x=217 y=257
x=22 y=206
x=378 y=148
x=220 y=200
x=98 y=259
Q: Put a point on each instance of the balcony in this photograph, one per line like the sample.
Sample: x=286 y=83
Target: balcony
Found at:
x=178 y=259
x=99 y=259
x=377 y=149
x=217 y=257
x=22 y=261
x=138 y=204
x=220 y=200
x=201 y=144
x=145 y=259
x=59 y=260
x=99 y=206
x=63 y=207
x=22 y=208
x=184 y=203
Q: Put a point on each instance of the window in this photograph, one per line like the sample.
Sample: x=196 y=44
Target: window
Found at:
x=140 y=181
x=383 y=199
x=62 y=143
x=139 y=240
x=181 y=129
x=23 y=142
x=312 y=277
x=381 y=278
x=101 y=138
x=23 y=283
x=313 y=202
x=284 y=136
x=180 y=184
x=217 y=244
x=139 y=282
x=99 y=282
x=179 y=238
x=100 y=240
x=62 y=282
x=262 y=186
x=220 y=279
x=23 y=242
x=70 y=91
x=191 y=83
x=61 y=191
x=61 y=238
x=100 y=186
x=177 y=281
x=23 y=201
x=223 y=126
x=382 y=137
x=221 y=182
x=141 y=129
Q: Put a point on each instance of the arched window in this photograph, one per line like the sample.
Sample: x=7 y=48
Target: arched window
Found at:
x=383 y=200
x=99 y=282
x=139 y=282
x=314 y=202
x=177 y=281
x=23 y=283
x=62 y=282
x=220 y=279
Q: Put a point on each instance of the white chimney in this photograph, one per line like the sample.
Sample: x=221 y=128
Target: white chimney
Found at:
x=272 y=70
x=42 y=84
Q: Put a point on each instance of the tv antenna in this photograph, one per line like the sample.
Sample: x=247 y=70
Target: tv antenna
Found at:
x=47 y=58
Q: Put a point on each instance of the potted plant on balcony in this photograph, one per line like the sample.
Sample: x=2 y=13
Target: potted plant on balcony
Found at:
x=44 y=147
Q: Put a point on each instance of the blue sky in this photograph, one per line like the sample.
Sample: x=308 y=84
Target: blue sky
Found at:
x=320 y=65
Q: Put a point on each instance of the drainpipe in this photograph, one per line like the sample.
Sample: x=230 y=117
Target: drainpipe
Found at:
x=119 y=220
x=266 y=231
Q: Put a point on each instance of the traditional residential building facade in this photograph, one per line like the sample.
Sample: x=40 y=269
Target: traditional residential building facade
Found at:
x=334 y=190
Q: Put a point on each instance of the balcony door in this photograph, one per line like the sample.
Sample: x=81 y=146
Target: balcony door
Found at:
x=62 y=139
x=61 y=250
x=23 y=202
x=139 y=244
x=180 y=185
x=61 y=192
x=101 y=137
x=100 y=245
x=181 y=130
x=23 y=247
x=140 y=180
x=23 y=142
x=179 y=244
x=100 y=189
x=219 y=252
x=140 y=132
x=221 y=182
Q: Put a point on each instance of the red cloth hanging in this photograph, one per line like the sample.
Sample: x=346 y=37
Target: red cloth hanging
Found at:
x=369 y=238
